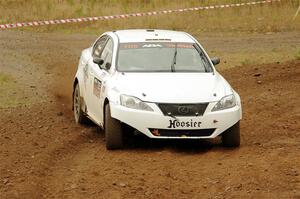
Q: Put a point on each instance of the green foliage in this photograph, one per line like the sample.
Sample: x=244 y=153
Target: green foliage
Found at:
x=273 y=17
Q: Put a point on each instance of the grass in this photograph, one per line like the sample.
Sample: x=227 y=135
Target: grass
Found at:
x=4 y=79
x=297 y=55
x=10 y=95
x=7 y=85
x=246 y=61
x=259 y=18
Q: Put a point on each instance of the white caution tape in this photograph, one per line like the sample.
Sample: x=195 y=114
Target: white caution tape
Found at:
x=124 y=16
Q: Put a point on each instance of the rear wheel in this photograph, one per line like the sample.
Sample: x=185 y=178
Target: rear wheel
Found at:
x=231 y=137
x=113 y=131
x=79 y=115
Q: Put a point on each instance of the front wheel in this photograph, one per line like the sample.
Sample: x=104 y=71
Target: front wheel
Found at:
x=231 y=137
x=113 y=131
x=79 y=115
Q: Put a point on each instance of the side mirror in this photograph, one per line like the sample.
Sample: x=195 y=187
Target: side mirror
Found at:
x=215 y=60
x=98 y=61
x=107 y=66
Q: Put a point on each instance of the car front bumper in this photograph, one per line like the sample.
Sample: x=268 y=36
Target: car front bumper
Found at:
x=156 y=125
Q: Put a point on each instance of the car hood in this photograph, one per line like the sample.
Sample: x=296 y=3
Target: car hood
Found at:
x=173 y=87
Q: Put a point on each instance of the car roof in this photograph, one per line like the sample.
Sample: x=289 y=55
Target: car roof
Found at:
x=152 y=35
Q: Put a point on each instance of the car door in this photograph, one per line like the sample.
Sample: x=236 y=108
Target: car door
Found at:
x=98 y=76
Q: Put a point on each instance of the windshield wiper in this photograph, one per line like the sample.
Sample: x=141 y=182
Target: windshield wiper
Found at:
x=174 y=59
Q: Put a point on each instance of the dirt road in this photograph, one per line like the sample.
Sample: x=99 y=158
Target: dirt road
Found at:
x=44 y=154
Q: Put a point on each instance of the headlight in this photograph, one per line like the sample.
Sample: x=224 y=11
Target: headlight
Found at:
x=135 y=103
x=225 y=103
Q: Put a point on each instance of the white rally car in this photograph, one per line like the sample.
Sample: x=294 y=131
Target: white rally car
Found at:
x=160 y=83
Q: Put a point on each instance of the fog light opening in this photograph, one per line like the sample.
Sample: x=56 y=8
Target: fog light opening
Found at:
x=155 y=132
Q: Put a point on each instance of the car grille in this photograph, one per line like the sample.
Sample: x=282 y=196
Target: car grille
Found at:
x=183 y=133
x=183 y=109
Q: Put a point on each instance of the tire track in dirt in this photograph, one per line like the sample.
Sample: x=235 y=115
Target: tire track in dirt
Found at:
x=44 y=154
x=118 y=174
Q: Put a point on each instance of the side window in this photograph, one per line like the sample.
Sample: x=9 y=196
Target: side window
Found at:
x=99 y=46
x=106 y=54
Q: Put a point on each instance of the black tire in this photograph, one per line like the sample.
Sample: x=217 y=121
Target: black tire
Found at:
x=231 y=137
x=113 y=131
x=79 y=115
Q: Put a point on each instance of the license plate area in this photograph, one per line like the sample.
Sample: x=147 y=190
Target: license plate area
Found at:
x=182 y=133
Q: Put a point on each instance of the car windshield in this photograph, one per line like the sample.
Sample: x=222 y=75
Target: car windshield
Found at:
x=162 y=57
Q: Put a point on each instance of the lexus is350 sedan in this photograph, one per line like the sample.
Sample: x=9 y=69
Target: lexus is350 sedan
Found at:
x=160 y=83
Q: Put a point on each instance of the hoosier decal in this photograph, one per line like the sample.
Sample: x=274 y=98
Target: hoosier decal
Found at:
x=188 y=124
